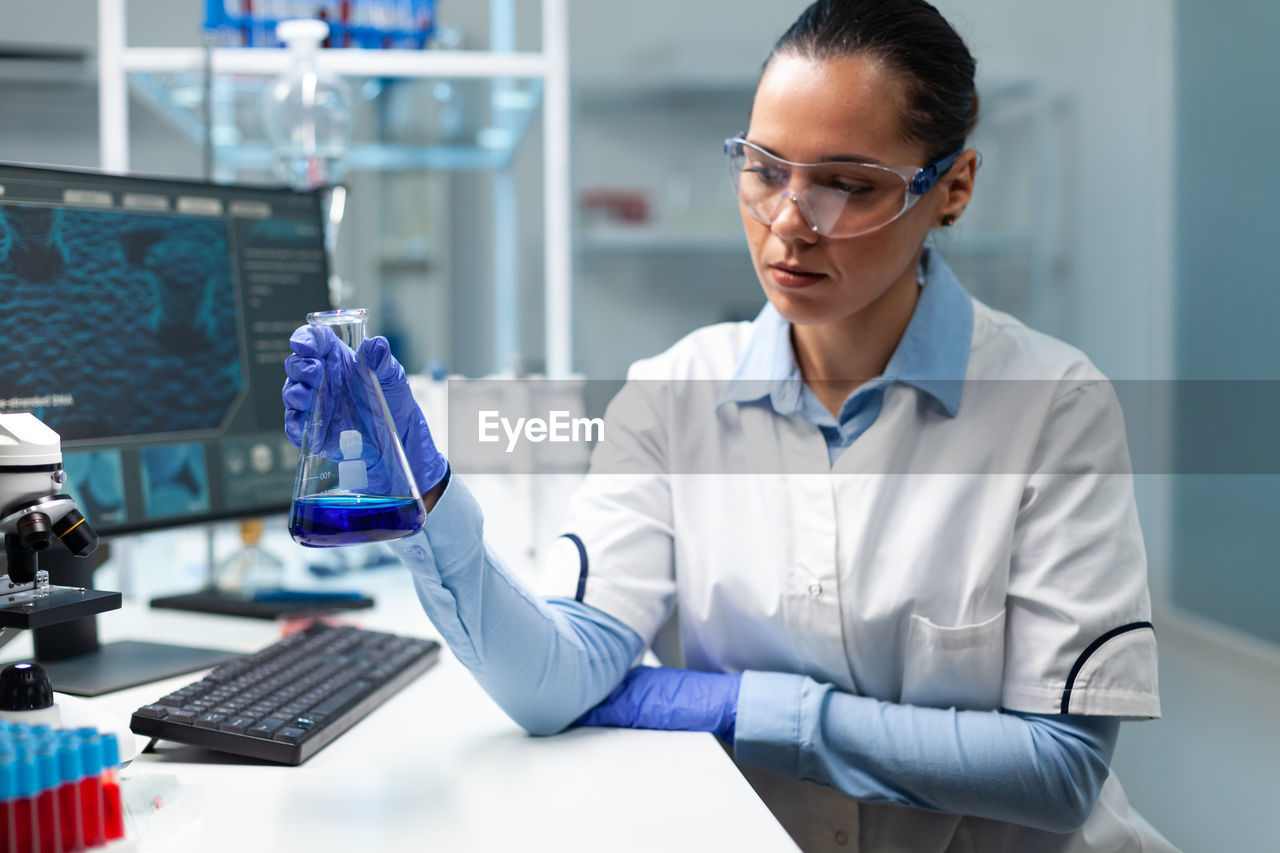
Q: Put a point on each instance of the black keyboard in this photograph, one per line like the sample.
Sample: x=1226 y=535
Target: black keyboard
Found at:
x=286 y=702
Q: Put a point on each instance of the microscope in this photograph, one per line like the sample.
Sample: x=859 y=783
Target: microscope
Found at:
x=34 y=513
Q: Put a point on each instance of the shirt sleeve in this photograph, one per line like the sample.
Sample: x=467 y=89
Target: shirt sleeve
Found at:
x=1040 y=771
x=543 y=662
x=617 y=551
x=1078 y=635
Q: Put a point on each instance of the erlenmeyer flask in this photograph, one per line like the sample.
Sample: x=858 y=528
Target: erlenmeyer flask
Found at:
x=354 y=484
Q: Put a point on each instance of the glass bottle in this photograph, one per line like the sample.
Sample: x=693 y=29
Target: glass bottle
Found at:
x=354 y=484
x=307 y=112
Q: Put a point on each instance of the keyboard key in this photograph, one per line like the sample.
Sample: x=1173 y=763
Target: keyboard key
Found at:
x=236 y=724
x=154 y=711
x=266 y=728
x=181 y=717
x=209 y=721
x=226 y=672
x=348 y=695
x=292 y=734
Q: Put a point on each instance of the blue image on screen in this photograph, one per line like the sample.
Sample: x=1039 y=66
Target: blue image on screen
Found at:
x=130 y=320
x=95 y=479
x=174 y=480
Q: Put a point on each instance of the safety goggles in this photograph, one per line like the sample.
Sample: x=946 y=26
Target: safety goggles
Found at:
x=838 y=198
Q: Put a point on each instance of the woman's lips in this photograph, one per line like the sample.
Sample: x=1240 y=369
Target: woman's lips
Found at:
x=792 y=277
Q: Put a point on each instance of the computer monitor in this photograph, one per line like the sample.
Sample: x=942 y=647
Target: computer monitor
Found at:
x=146 y=321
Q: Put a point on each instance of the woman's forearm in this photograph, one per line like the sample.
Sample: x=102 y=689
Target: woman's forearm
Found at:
x=544 y=662
x=1043 y=771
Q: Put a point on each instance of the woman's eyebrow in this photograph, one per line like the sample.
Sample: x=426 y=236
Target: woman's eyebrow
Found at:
x=832 y=158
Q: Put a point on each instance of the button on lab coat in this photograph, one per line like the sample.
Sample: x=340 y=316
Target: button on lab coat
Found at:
x=983 y=561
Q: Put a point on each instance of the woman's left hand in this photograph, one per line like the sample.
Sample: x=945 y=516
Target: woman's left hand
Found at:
x=671 y=699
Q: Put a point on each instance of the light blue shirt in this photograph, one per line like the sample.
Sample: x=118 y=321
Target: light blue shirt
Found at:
x=931 y=356
x=547 y=661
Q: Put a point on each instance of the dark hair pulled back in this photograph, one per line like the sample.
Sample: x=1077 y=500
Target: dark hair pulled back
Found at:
x=911 y=37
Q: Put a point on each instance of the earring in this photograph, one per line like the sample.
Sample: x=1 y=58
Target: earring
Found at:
x=948 y=220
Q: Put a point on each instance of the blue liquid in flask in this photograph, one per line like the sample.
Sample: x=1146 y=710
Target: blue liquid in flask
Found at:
x=323 y=521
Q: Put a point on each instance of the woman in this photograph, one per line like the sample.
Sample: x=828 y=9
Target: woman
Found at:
x=888 y=546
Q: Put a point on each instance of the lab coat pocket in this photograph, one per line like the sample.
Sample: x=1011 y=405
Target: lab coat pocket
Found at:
x=960 y=667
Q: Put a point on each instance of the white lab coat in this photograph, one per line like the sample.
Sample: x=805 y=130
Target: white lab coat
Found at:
x=980 y=561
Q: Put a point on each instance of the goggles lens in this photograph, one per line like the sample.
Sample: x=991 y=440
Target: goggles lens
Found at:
x=837 y=199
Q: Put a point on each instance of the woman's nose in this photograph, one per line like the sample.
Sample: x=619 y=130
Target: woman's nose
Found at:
x=791 y=222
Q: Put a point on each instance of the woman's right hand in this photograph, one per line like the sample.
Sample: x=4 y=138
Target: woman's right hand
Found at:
x=318 y=358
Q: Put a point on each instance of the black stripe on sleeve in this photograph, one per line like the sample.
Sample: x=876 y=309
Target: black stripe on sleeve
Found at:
x=582 y=564
x=1093 y=647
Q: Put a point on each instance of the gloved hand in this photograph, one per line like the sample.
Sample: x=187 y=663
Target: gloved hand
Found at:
x=671 y=699
x=318 y=357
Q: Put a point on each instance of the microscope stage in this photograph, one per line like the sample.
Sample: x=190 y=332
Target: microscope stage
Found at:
x=57 y=604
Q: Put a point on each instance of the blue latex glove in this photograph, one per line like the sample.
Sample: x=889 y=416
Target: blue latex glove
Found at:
x=671 y=699
x=318 y=357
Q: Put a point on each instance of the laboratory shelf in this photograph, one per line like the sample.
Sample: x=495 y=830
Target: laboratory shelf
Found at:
x=386 y=158
x=664 y=91
x=346 y=60
x=178 y=96
x=406 y=254
x=659 y=245
x=648 y=241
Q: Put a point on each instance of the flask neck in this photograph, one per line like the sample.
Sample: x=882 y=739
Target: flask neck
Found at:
x=302 y=58
x=350 y=325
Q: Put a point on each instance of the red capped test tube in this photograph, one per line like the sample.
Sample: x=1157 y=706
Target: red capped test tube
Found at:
x=112 y=808
x=69 y=776
x=48 y=838
x=91 y=787
x=23 y=816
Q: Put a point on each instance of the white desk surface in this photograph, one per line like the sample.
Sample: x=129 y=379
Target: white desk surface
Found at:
x=438 y=767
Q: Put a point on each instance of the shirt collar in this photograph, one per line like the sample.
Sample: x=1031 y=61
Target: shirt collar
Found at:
x=932 y=355
x=768 y=367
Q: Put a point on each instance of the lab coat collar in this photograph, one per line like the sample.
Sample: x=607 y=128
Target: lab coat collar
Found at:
x=932 y=355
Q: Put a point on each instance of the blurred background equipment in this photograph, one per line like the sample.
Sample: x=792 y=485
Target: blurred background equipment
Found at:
x=307 y=112
x=365 y=24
